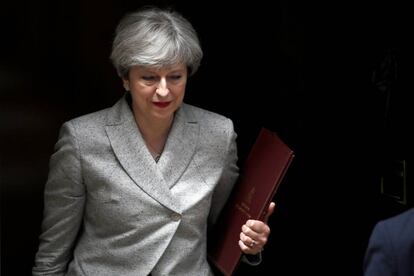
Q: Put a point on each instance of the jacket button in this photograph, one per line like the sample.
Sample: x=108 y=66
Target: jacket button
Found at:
x=175 y=216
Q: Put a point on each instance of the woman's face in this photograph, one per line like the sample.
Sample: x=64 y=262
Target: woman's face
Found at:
x=156 y=92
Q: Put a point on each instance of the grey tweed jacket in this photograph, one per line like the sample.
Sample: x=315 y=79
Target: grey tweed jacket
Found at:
x=110 y=209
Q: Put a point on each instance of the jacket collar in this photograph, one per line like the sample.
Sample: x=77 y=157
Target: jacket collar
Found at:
x=155 y=179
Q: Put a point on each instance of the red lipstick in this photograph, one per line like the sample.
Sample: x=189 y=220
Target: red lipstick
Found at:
x=161 y=104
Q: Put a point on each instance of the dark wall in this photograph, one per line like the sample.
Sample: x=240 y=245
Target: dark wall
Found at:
x=350 y=141
x=303 y=71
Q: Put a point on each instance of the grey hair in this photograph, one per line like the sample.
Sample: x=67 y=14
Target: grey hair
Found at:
x=155 y=38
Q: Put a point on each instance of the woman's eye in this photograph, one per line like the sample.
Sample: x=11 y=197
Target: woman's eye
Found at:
x=175 y=77
x=148 y=78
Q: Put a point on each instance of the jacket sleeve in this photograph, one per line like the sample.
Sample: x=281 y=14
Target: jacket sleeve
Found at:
x=228 y=177
x=224 y=188
x=378 y=257
x=64 y=198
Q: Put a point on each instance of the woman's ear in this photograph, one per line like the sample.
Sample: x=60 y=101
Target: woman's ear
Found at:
x=125 y=82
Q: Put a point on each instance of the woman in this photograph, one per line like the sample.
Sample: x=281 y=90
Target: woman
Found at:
x=132 y=187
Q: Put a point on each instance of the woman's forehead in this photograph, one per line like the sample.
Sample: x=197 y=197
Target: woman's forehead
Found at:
x=163 y=69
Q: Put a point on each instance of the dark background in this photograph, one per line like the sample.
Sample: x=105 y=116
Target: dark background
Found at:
x=304 y=71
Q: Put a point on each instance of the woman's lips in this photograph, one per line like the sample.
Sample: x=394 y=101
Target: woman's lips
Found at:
x=161 y=104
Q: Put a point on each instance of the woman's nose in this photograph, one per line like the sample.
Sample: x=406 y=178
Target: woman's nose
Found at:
x=162 y=88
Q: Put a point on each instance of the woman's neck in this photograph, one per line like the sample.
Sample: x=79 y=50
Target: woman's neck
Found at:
x=155 y=133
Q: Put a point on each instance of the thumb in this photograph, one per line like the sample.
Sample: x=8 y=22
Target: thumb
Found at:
x=270 y=211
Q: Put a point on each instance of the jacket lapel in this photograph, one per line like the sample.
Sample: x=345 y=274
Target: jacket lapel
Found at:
x=180 y=146
x=130 y=149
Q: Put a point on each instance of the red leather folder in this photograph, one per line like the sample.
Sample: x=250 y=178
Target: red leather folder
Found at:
x=259 y=179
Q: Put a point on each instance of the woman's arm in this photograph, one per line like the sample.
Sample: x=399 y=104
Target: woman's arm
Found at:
x=227 y=179
x=64 y=198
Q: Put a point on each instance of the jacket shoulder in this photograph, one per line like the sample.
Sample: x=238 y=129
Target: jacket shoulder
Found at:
x=401 y=222
x=90 y=118
x=208 y=119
